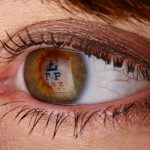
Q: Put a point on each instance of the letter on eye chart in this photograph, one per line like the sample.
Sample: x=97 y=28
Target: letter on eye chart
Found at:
x=59 y=76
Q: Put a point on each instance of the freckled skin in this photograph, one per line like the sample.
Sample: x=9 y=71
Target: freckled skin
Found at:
x=14 y=136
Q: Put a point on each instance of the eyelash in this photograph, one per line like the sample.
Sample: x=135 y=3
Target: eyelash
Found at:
x=108 y=57
x=80 y=119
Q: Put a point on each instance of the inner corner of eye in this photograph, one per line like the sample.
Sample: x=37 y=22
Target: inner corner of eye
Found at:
x=55 y=75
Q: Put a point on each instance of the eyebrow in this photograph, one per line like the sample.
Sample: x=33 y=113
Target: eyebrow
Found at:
x=109 y=9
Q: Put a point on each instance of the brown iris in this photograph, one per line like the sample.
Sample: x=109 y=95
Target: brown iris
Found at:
x=55 y=76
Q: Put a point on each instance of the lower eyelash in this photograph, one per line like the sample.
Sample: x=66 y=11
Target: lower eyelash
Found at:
x=108 y=116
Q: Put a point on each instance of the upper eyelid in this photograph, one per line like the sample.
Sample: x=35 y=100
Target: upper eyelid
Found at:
x=103 y=35
x=96 y=32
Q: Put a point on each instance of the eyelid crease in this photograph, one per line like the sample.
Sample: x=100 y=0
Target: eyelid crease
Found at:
x=106 y=33
x=98 y=40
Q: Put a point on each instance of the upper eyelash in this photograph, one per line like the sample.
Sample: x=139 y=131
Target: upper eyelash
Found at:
x=80 y=119
x=108 y=57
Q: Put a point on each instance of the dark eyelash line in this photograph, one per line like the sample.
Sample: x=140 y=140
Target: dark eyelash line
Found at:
x=80 y=119
x=37 y=119
x=60 y=118
x=89 y=49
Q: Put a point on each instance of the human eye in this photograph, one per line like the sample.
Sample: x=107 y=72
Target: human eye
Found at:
x=67 y=71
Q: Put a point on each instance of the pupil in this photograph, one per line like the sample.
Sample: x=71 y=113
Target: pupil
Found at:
x=55 y=76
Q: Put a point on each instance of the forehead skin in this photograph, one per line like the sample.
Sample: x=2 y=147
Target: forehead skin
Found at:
x=16 y=14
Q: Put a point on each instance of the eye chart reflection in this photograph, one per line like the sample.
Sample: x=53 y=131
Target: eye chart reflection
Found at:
x=58 y=74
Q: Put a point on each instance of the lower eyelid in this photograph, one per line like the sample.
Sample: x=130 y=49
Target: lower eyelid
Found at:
x=137 y=107
x=54 y=119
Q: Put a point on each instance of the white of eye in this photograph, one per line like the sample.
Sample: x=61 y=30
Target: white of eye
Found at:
x=105 y=83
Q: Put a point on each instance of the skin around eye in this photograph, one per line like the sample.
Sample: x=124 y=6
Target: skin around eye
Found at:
x=122 y=124
x=91 y=114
